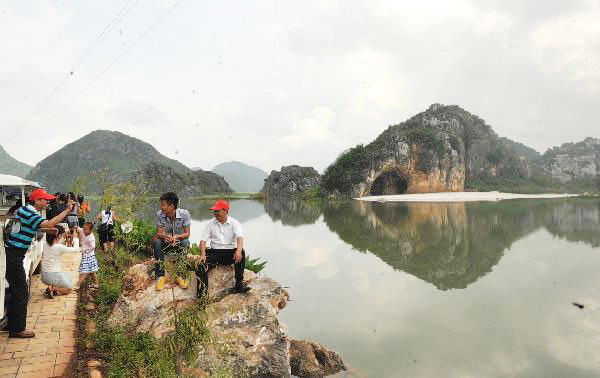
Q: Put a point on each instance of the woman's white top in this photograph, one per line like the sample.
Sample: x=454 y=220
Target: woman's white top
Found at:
x=88 y=244
x=107 y=218
x=52 y=256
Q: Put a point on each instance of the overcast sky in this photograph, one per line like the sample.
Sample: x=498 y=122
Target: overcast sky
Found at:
x=274 y=83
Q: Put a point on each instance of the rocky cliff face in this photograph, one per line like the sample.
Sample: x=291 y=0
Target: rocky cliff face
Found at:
x=244 y=328
x=434 y=151
x=156 y=178
x=571 y=161
x=291 y=181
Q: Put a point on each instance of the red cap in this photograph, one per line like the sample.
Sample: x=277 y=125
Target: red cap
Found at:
x=40 y=194
x=220 y=205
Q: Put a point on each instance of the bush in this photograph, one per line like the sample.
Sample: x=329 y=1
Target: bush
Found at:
x=130 y=354
x=253 y=265
x=139 y=240
x=429 y=138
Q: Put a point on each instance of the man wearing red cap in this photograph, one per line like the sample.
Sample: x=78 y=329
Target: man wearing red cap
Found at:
x=226 y=248
x=28 y=223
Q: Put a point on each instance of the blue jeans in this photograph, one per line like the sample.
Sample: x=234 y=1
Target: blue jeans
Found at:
x=161 y=248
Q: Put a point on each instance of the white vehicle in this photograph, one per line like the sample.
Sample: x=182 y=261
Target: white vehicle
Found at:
x=13 y=189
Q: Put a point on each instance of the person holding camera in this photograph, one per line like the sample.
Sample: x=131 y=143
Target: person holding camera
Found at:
x=28 y=222
x=106 y=230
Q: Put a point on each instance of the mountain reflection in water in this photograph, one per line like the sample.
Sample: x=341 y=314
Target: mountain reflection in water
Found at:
x=372 y=281
x=450 y=245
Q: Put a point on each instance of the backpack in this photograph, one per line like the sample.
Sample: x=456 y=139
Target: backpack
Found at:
x=12 y=226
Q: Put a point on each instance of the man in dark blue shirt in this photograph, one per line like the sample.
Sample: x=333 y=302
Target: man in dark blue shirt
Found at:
x=28 y=222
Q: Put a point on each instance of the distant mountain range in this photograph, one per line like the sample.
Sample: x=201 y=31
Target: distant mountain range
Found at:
x=473 y=153
x=100 y=155
x=11 y=166
x=241 y=177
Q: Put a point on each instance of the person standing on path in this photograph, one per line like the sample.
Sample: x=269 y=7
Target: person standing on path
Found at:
x=172 y=236
x=106 y=231
x=226 y=248
x=29 y=222
x=89 y=263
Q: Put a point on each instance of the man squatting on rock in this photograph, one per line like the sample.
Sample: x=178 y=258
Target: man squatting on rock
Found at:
x=172 y=236
x=226 y=248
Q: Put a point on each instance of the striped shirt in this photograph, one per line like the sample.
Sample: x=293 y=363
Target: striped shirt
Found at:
x=24 y=231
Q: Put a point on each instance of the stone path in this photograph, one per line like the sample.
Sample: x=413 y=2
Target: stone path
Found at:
x=52 y=353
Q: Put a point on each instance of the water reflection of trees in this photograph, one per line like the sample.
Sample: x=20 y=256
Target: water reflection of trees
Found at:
x=292 y=212
x=452 y=245
x=575 y=221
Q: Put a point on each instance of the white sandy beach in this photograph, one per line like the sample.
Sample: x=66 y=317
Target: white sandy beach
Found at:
x=460 y=197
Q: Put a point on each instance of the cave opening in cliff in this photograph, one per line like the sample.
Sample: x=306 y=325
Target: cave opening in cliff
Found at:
x=390 y=182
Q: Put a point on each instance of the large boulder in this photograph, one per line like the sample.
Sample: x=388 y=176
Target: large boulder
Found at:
x=311 y=360
x=245 y=325
x=291 y=181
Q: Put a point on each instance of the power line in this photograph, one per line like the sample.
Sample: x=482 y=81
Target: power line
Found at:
x=111 y=64
x=93 y=46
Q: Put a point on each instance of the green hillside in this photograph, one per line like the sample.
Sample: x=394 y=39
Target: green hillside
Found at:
x=100 y=155
x=11 y=166
x=241 y=177
x=157 y=179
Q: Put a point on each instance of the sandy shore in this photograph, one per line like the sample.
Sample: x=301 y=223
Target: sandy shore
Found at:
x=460 y=197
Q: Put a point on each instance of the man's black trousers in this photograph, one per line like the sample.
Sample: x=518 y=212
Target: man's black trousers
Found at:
x=216 y=257
x=19 y=292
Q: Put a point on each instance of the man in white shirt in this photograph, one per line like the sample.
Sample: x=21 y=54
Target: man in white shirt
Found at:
x=226 y=247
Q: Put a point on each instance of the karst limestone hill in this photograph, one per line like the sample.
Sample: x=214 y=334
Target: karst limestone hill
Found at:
x=437 y=150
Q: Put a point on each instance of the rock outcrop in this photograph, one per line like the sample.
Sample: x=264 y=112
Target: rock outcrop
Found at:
x=571 y=161
x=434 y=151
x=311 y=360
x=156 y=178
x=245 y=325
x=291 y=181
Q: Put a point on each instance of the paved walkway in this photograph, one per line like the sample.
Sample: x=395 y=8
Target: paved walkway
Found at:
x=53 y=350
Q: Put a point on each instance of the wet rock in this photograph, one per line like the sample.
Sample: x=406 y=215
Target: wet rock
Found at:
x=311 y=360
x=244 y=325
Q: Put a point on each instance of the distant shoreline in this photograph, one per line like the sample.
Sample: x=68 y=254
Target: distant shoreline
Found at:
x=460 y=197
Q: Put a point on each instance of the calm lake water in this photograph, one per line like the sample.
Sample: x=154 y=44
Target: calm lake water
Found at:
x=435 y=290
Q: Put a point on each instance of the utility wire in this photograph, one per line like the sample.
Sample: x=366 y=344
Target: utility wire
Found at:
x=111 y=64
x=93 y=46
